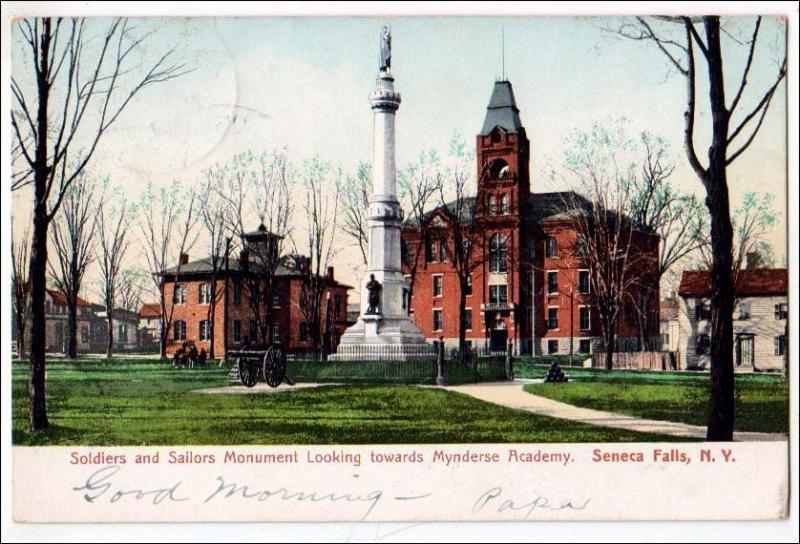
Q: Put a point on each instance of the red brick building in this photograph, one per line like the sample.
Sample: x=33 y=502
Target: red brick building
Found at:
x=529 y=285
x=283 y=315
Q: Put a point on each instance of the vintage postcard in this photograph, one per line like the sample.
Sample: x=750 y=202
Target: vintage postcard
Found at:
x=398 y=269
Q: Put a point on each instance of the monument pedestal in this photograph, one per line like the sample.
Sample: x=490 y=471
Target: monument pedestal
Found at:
x=379 y=338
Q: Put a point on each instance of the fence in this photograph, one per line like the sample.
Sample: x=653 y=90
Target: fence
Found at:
x=421 y=367
x=639 y=360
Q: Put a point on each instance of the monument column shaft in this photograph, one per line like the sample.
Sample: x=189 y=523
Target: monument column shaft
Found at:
x=383 y=161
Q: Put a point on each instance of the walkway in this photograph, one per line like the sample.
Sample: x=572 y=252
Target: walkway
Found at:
x=259 y=389
x=511 y=395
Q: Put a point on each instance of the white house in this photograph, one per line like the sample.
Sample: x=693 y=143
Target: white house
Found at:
x=668 y=324
x=149 y=325
x=759 y=320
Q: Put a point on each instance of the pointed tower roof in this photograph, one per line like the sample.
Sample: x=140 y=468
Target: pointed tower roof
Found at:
x=502 y=110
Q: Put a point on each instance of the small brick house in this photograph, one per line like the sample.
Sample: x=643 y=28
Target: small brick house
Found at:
x=529 y=286
x=759 y=319
x=282 y=319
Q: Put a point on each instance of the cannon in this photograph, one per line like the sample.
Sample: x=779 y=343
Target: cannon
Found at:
x=253 y=365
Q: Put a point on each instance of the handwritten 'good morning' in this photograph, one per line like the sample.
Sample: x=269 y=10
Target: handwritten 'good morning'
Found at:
x=101 y=487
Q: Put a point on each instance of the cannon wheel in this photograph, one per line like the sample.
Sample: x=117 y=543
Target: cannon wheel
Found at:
x=248 y=372
x=274 y=366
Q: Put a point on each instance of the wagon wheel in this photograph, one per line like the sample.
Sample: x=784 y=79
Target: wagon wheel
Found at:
x=248 y=372
x=274 y=366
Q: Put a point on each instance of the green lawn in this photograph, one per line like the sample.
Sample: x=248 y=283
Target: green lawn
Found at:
x=761 y=400
x=135 y=402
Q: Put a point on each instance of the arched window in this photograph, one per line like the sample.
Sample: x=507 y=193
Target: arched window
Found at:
x=505 y=207
x=499 y=169
x=498 y=254
x=429 y=250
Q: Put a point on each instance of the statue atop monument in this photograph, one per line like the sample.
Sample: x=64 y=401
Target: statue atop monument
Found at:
x=386 y=50
x=374 y=298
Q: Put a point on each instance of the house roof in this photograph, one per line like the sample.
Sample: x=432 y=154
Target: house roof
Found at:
x=502 y=110
x=60 y=300
x=288 y=266
x=749 y=283
x=668 y=309
x=541 y=206
x=150 y=310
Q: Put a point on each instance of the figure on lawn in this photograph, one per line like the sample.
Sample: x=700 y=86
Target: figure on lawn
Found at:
x=374 y=296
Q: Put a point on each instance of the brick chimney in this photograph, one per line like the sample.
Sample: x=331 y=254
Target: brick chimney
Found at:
x=329 y=275
x=244 y=259
x=184 y=259
x=752 y=260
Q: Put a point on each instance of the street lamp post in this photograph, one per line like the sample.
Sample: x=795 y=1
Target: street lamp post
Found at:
x=571 y=323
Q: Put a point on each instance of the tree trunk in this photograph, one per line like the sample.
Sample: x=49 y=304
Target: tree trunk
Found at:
x=211 y=315
x=610 y=348
x=110 y=345
x=164 y=326
x=38 y=263
x=721 y=410
x=20 y=342
x=38 y=274
x=20 y=319
x=163 y=344
x=72 y=326
x=643 y=317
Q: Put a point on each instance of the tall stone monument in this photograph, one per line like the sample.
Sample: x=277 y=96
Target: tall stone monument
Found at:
x=384 y=330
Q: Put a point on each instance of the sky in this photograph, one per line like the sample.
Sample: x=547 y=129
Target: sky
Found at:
x=301 y=84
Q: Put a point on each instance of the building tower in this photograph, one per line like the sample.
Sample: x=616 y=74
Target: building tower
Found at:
x=383 y=329
x=503 y=153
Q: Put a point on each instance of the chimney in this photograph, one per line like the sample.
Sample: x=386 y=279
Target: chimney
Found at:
x=330 y=273
x=244 y=259
x=184 y=259
x=752 y=260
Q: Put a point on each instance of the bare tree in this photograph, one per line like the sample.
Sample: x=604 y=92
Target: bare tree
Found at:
x=733 y=130
x=21 y=289
x=658 y=207
x=72 y=234
x=463 y=234
x=320 y=210
x=167 y=221
x=356 y=192
x=213 y=211
x=114 y=217
x=751 y=220
x=419 y=186
x=77 y=96
x=607 y=236
x=258 y=186
x=131 y=285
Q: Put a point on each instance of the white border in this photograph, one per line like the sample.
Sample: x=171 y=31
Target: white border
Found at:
x=599 y=532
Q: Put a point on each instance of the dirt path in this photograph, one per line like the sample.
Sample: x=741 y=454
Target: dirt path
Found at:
x=511 y=395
